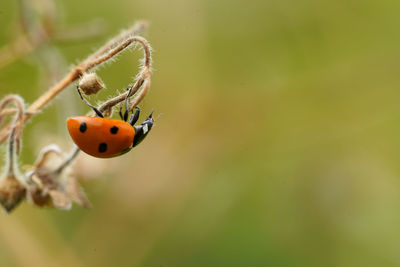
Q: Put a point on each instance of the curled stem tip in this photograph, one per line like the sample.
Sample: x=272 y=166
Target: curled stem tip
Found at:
x=18 y=123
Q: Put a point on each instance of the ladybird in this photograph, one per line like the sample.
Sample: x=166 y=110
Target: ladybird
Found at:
x=105 y=138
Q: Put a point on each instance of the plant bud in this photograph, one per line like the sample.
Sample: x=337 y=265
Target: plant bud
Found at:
x=12 y=192
x=90 y=83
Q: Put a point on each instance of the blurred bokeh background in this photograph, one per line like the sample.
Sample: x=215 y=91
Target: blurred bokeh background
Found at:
x=277 y=140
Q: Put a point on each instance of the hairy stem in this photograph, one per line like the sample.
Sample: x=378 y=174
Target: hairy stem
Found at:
x=17 y=124
x=68 y=160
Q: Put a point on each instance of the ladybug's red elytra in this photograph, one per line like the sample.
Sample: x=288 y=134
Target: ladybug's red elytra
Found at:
x=106 y=138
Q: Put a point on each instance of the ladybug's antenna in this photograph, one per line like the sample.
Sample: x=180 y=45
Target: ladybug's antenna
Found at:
x=151 y=114
x=98 y=113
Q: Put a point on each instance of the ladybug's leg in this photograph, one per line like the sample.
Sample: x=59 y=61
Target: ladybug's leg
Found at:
x=125 y=118
x=120 y=113
x=134 y=117
x=142 y=130
x=87 y=103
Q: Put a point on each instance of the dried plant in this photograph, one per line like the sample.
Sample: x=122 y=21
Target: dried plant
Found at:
x=49 y=181
x=12 y=182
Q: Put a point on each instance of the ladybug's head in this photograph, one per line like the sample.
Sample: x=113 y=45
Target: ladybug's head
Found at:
x=143 y=129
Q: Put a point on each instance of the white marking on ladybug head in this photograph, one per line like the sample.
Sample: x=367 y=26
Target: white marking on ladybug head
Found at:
x=145 y=129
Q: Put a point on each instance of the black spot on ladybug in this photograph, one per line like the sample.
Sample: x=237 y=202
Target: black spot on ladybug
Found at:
x=102 y=147
x=83 y=127
x=114 y=130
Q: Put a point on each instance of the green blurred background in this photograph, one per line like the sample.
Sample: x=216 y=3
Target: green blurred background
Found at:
x=278 y=142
